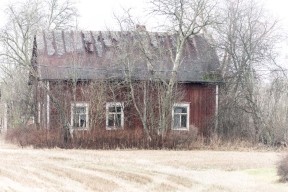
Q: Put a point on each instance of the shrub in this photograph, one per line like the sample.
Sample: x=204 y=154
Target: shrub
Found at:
x=31 y=136
x=282 y=169
x=182 y=139
x=93 y=139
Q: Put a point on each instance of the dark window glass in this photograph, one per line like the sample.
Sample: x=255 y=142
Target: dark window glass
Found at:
x=176 y=121
x=76 y=120
x=111 y=120
x=79 y=117
x=112 y=109
x=118 y=109
x=79 y=110
x=180 y=117
x=118 y=120
x=180 y=110
x=114 y=116
x=183 y=120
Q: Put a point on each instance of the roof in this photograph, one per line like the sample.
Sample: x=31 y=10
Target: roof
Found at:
x=65 y=55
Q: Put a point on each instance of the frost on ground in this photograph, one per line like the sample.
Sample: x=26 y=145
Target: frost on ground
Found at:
x=137 y=170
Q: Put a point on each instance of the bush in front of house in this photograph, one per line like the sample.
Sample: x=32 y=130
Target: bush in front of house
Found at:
x=99 y=139
x=282 y=169
x=93 y=139
x=31 y=136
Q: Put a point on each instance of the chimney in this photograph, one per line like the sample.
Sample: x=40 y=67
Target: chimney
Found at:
x=140 y=28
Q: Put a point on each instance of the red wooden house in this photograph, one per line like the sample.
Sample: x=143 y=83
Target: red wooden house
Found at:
x=67 y=63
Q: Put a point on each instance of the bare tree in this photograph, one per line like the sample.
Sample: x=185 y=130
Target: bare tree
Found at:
x=273 y=105
x=184 y=19
x=28 y=18
x=60 y=14
x=245 y=42
x=25 y=19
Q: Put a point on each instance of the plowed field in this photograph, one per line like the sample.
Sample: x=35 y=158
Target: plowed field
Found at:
x=137 y=170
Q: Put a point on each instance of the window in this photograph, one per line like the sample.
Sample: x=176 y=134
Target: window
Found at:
x=79 y=115
x=180 y=116
x=114 y=115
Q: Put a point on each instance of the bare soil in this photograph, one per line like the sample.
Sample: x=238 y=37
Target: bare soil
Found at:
x=28 y=169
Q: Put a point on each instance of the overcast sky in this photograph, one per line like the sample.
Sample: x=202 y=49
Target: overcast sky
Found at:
x=98 y=14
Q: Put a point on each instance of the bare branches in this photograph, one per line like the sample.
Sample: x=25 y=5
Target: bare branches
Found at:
x=61 y=15
x=246 y=36
x=186 y=17
x=246 y=40
x=25 y=19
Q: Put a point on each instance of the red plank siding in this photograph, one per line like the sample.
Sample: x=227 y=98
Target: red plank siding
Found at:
x=202 y=104
x=200 y=96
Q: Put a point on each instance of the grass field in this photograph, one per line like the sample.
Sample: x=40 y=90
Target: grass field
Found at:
x=137 y=170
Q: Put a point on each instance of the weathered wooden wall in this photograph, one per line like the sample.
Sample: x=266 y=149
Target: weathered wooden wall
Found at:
x=200 y=96
x=202 y=101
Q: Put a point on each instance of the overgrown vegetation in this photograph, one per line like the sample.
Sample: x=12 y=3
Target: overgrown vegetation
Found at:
x=282 y=169
x=102 y=139
x=25 y=19
x=242 y=34
x=129 y=140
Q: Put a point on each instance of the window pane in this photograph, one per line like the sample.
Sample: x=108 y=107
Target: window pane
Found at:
x=76 y=120
x=180 y=110
x=79 y=115
x=111 y=120
x=83 y=120
x=118 y=109
x=82 y=109
x=79 y=110
x=112 y=109
x=183 y=120
x=118 y=120
x=176 y=121
x=113 y=115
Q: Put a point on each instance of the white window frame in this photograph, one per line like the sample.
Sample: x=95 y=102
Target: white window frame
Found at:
x=80 y=104
x=186 y=105
x=114 y=104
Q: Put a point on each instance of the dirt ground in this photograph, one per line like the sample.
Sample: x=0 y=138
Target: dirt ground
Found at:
x=137 y=170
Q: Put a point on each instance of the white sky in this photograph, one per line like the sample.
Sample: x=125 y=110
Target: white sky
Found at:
x=98 y=14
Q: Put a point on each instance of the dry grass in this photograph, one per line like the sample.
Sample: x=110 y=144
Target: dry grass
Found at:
x=137 y=170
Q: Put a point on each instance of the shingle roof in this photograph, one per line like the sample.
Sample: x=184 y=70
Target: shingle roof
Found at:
x=107 y=54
